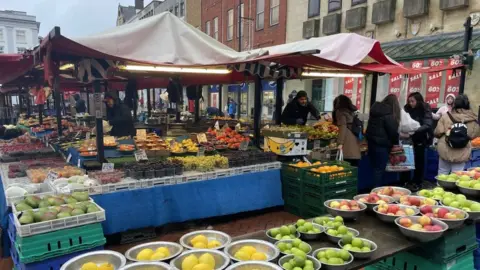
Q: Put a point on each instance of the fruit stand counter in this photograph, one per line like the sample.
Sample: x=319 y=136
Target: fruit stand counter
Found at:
x=386 y=236
x=159 y=205
x=108 y=153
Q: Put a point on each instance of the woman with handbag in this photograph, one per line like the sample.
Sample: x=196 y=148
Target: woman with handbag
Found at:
x=343 y=117
x=454 y=132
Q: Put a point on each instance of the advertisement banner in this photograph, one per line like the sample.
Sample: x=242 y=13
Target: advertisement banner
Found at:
x=415 y=80
x=395 y=84
x=358 y=103
x=452 y=83
x=348 y=84
x=434 y=82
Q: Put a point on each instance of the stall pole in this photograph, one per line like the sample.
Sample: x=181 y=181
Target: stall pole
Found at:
x=198 y=94
x=57 y=100
x=153 y=99
x=29 y=109
x=239 y=94
x=48 y=103
x=40 y=114
x=220 y=96
x=466 y=47
x=20 y=102
x=62 y=97
x=149 y=104
x=257 y=109
x=278 y=101
x=88 y=100
x=373 y=90
x=135 y=105
x=98 y=120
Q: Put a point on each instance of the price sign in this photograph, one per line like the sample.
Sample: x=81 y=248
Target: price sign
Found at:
x=87 y=136
x=98 y=114
x=142 y=134
x=243 y=146
x=69 y=158
x=140 y=155
x=201 y=137
x=316 y=144
x=201 y=151
x=84 y=123
x=97 y=104
x=51 y=176
x=217 y=125
x=79 y=163
x=108 y=167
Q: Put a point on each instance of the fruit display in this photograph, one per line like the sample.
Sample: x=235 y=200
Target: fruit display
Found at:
x=321 y=131
x=228 y=136
x=88 y=154
x=35 y=202
x=303 y=164
x=465 y=181
x=109 y=141
x=374 y=198
x=355 y=244
x=17 y=170
x=148 y=254
x=395 y=210
x=397 y=155
x=334 y=256
x=459 y=176
x=250 y=157
x=201 y=241
x=250 y=253
x=442 y=212
x=327 y=169
x=299 y=263
x=340 y=231
x=20 y=149
x=306 y=227
x=417 y=201
x=87 y=145
x=437 y=193
x=345 y=205
x=291 y=246
x=329 y=222
x=151 y=142
x=107 y=177
x=424 y=224
x=283 y=233
x=202 y=163
x=152 y=169
x=39 y=175
x=459 y=201
x=94 y=266
x=57 y=212
x=190 y=145
x=205 y=262
x=394 y=192
x=126 y=148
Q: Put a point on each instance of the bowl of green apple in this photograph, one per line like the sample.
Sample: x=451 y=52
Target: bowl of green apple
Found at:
x=448 y=181
x=459 y=201
x=360 y=248
x=309 y=230
x=285 y=232
x=328 y=221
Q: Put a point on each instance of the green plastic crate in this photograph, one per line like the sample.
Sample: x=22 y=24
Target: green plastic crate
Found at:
x=290 y=171
x=328 y=186
x=408 y=261
x=309 y=211
x=293 y=209
x=452 y=244
x=48 y=245
x=326 y=181
x=293 y=184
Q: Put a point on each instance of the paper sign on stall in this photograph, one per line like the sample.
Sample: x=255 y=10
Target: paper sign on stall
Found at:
x=51 y=176
x=306 y=160
x=142 y=134
x=201 y=151
x=87 y=136
x=140 y=155
x=69 y=158
x=217 y=125
x=201 y=137
x=316 y=144
x=79 y=163
x=108 y=167
x=243 y=146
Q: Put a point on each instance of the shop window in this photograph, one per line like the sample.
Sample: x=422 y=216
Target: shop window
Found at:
x=260 y=19
x=318 y=95
x=182 y=9
x=1 y=34
x=356 y=2
x=2 y=49
x=313 y=8
x=21 y=49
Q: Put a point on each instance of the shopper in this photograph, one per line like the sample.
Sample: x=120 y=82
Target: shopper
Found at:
x=421 y=112
x=296 y=112
x=453 y=159
x=343 y=114
x=119 y=116
x=231 y=107
x=382 y=135
x=80 y=106
x=449 y=99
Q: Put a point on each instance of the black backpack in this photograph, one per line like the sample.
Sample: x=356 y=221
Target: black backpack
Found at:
x=458 y=137
x=357 y=127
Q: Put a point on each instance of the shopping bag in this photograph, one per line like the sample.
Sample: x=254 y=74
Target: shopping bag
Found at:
x=407 y=124
x=401 y=159
x=339 y=155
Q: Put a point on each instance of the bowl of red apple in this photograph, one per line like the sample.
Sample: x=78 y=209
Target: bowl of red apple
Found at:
x=347 y=209
x=371 y=200
x=417 y=201
x=453 y=217
x=390 y=212
x=395 y=192
x=421 y=228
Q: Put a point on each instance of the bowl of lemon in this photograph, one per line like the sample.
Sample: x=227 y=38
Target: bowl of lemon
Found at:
x=206 y=239
x=154 y=252
x=200 y=259
x=249 y=265
x=95 y=260
x=146 y=265
x=252 y=250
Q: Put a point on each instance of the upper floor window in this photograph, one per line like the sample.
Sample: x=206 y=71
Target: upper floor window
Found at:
x=21 y=36
x=260 y=19
x=242 y=10
x=313 y=8
x=334 y=5
x=207 y=28
x=230 y=24
x=356 y=2
x=274 y=12
x=215 y=28
x=182 y=9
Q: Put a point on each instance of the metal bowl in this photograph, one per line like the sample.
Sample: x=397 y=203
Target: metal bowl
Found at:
x=361 y=255
x=312 y=236
x=98 y=257
x=174 y=248
x=316 y=264
x=420 y=198
x=396 y=197
x=146 y=265
x=274 y=240
x=333 y=267
x=452 y=223
x=391 y=218
x=290 y=241
x=446 y=184
x=471 y=215
x=335 y=239
x=370 y=206
x=346 y=214
x=468 y=191
x=269 y=249
x=221 y=237
x=254 y=265
x=422 y=236
x=221 y=259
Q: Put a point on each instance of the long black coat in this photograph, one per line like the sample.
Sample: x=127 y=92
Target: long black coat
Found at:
x=382 y=128
x=294 y=111
x=423 y=115
x=121 y=120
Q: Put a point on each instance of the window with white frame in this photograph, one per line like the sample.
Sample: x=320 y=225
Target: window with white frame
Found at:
x=230 y=24
x=274 y=12
x=2 y=49
x=182 y=9
x=242 y=10
x=1 y=34
x=260 y=18
x=207 y=28
x=215 y=28
x=21 y=36
x=21 y=49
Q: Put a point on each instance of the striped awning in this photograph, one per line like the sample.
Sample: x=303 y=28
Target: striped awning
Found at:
x=265 y=71
x=89 y=70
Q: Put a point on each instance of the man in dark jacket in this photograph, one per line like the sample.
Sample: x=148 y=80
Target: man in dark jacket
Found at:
x=80 y=106
x=119 y=116
x=296 y=112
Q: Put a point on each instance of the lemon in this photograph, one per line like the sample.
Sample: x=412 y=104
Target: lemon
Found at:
x=213 y=244
x=241 y=256
x=258 y=256
x=199 y=245
x=202 y=266
x=189 y=262
x=207 y=258
x=249 y=250
x=199 y=238
x=89 y=266
x=158 y=255
x=164 y=250
x=106 y=266
x=145 y=254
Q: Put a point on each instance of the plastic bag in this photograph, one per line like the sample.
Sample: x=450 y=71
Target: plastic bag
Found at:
x=407 y=124
x=339 y=155
x=406 y=164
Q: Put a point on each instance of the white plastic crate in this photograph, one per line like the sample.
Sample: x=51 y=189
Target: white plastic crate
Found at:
x=58 y=224
x=158 y=181
x=37 y=190
x=14 y=209
x=223 y=173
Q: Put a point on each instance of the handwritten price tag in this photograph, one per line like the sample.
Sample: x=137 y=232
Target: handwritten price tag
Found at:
x=108 y=167
x=201 y=137
x=51 y=176
x=140 y=155
x=243 y=146
x=316 y=144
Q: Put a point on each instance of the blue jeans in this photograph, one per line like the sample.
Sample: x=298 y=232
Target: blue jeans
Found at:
x=378 y=156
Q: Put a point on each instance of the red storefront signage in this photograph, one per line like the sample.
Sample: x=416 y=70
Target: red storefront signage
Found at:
x=359 y=93
x=395 y=84
x=434 y=82
x=452 y=83
x=415 y=80
x=348 y=87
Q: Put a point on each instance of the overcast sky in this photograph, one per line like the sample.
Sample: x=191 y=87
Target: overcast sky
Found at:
x=76 y=18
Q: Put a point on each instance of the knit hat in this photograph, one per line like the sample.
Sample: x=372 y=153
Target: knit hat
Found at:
x=301 y=94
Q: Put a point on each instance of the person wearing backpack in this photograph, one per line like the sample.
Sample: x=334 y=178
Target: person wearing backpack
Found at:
x=454 y=131
x=350 y=129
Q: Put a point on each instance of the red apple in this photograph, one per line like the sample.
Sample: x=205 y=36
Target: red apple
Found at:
x=424 y=220
x=441 y=212
x=428 y=227
x=414 y=201
x=426 y=209
x=430 y=215
x=405 y=222
x=344 y=207
x=435 y=228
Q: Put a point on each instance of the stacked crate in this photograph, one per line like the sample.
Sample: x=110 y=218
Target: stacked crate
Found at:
x=453 y=251
x=305 y=191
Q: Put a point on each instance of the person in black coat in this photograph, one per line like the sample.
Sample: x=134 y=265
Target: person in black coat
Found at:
x=296 y=112
x=421 y=112
x=119 y=116
x=80 y=106
x=382 y=134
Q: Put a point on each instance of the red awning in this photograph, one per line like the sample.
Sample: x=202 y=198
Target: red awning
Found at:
x=13 y=66
x=398 y=69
